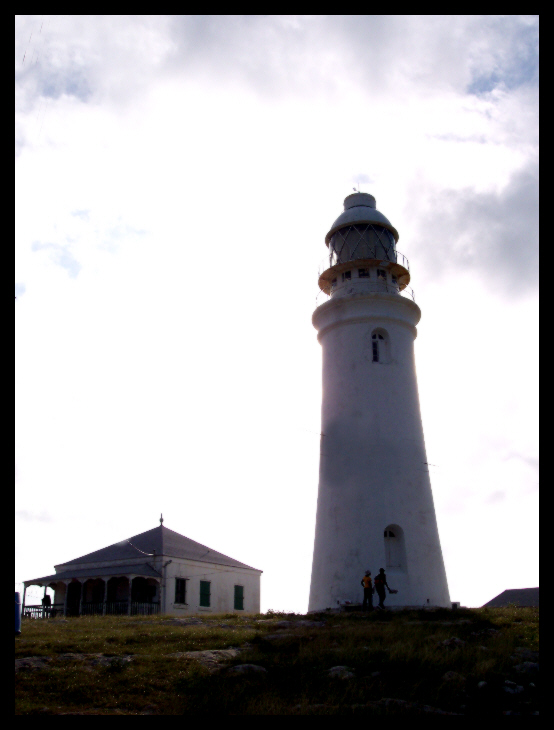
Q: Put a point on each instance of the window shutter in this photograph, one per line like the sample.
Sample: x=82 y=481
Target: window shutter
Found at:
x=239 y=598
x=205 y=593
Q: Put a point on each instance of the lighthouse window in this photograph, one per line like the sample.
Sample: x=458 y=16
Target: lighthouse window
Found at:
x=333 y=283
x=381 y=274
x=377 y=345
x=347 y=275
x=363 y=273
x=394 y=280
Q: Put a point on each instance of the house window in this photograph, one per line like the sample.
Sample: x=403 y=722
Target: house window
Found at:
x=377 y=344
x=180 y=590
x=205 y=593
x=347 y=276
x=239 y=598
x=381 y=275
x=363 y=273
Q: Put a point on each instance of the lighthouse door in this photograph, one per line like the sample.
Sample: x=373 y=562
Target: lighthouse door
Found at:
x=391 y=549
x=394 y=547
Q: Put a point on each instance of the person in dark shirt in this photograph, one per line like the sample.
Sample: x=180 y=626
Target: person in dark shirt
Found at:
x=367 y=605
x=46 y=603
x=380 y=585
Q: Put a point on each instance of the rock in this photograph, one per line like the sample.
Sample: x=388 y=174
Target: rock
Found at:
x=210 y=659
x=113 y=662
x=512 y=688
x=485 y=632
x=185 y=622
x=482 y=684
x=527 y=668
x=412 y=708
x=453 y=678
x=283 y=625
x=247 y=669
x=276 y=637
x=314 y=709
x=375 y=674
x=310 y=624
x=32 y=663
x=341 y=672
x=452 y=643
x=527 y=654
x=93 y=659
x=383 y=706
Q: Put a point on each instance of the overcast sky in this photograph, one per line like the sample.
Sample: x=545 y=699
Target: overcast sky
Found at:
x=175 y=179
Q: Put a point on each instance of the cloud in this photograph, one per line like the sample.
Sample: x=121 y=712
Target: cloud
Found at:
x=60 y=255
x=27 y=516
x=495 y=235
x=82 y=214
x=94 y=57
x=513 y=60
x=19 y=289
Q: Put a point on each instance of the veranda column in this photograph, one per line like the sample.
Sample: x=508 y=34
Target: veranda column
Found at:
x=66 y=583
x=81 y=598
x=130 y=590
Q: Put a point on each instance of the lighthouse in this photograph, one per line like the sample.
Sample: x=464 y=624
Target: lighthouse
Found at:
x=375 y=506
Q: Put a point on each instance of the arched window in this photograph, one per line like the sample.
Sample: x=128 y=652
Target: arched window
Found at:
x=395 y=550
x=378 y=347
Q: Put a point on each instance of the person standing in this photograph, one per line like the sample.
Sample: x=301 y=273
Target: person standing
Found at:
x=380 y=585
x=367 y=605
x=46 y=604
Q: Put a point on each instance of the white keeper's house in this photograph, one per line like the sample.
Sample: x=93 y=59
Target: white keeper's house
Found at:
x=158 y=571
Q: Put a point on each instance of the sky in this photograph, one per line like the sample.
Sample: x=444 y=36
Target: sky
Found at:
x=175 y=177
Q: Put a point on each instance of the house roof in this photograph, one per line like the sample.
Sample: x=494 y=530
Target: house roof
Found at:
x=161 y=541
x=143 y=570
x=517 y=596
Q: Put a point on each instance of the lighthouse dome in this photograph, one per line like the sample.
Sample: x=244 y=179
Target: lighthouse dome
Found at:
x=360 y=208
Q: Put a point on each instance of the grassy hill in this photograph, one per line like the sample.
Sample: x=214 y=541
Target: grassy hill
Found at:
x=479 y=662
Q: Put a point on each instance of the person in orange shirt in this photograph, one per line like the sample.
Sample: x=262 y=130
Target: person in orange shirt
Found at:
x=367 y=605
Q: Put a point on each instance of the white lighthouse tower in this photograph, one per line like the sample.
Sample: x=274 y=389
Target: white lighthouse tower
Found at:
x=375 y=506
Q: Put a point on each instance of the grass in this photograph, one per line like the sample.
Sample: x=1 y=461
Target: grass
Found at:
x=392 y=655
